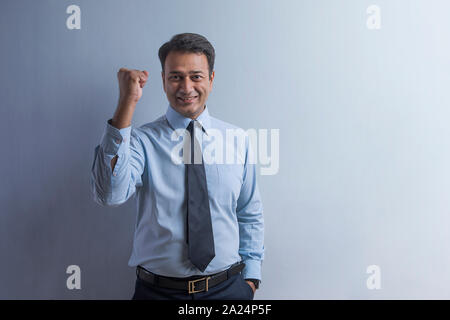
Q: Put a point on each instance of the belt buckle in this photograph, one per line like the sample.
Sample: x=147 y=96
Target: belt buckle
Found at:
x=191 y=285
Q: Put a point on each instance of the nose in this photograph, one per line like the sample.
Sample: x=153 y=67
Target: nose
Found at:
x=187 y=85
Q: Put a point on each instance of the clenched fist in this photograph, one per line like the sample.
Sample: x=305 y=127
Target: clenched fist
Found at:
x=131 y=83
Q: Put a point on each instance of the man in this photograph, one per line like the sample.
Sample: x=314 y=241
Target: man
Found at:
x=199 y=228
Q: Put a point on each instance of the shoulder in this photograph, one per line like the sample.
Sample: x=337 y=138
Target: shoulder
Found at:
x=230 y=130
x=152 y=127
x=223 y=125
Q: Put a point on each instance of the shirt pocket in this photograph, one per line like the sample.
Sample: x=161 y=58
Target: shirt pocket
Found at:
x=230 y=182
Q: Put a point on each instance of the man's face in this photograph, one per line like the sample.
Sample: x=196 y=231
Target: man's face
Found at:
x=186 y=82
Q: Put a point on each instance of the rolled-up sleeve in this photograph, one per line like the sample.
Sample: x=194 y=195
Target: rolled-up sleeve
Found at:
x=112 y=188
x=251 y=223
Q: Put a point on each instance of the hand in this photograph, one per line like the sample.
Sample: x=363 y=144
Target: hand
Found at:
x=131 y=83
x=251 y=284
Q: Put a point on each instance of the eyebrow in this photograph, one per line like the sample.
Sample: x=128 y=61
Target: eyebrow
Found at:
x=190 y=72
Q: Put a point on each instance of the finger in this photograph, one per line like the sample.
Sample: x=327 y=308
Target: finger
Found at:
x=144 y=75
x=142 y=83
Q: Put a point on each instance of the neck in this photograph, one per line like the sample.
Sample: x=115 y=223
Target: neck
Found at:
x=195 y=116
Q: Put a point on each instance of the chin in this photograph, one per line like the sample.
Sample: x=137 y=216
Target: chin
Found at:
x=188 y=110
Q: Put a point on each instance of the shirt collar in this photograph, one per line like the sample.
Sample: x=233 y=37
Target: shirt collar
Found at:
x=178 y=121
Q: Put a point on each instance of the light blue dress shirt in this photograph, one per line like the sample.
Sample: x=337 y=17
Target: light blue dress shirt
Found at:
x=145 y=169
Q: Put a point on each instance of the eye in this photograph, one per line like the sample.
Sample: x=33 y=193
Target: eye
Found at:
x=174 y=77
x=197 y=77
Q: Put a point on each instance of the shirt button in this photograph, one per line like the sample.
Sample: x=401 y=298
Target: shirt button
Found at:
x=124 y=139
x=117 y=141
x=114 y=174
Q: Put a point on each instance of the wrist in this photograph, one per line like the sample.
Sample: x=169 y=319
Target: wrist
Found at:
x=123 y=115
x=128 y=102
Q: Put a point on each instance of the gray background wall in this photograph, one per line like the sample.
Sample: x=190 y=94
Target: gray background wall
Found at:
x=363 y=115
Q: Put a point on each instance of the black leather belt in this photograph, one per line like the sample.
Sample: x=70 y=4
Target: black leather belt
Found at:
x=192 y=284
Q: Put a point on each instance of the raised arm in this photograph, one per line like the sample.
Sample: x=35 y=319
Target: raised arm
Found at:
x=119 y=159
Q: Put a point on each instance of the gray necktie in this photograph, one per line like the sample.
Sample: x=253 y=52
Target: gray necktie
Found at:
x=200 y=234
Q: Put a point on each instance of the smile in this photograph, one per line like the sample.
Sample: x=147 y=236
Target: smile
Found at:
x=188 y=100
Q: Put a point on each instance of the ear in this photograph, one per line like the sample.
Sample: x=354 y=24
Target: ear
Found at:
x=211 y=81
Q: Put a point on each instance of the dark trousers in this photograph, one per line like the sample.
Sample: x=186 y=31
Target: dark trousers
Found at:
x=235 y=288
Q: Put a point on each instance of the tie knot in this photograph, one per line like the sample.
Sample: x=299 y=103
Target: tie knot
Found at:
x=192 y=124
x=190 y=127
